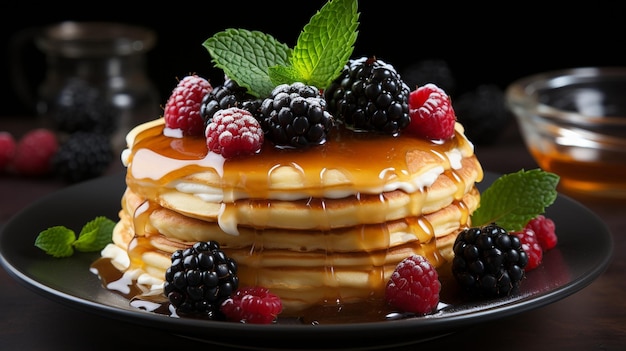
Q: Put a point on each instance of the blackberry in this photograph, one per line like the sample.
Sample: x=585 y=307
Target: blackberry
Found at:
x=488 y=261
x=84 y=155
x=434 y=71
x=200 y=279
x=295 y=115
x=80 y=106
x=370 y=95
x=483 y=112
x=230 y=94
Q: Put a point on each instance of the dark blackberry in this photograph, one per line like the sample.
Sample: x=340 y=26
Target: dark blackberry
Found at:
x=200 y=279
x=370 y=95
x=80 y=106
x=230 y=94
x=84 y=155
x=483 y=112
x=488 y=261
x=295 y=115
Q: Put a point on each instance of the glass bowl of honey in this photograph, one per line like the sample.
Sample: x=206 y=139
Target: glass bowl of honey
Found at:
x=573 y=122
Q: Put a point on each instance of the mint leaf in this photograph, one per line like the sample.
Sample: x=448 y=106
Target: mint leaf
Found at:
x=325 y=44
x=60 y=241
x=514 y=199
x=56 y=241
x=245 y=57
x=95 y=235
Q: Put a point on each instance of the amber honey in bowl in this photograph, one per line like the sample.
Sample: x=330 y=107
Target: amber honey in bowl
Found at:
x=573 y=123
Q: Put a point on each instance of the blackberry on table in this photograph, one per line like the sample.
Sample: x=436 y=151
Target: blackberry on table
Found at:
x=80 y=106
x=370 y=95
x=483 y=112
x=230 y=94
x=295 y=115
x=434 y=71
x=84 y=155
x=488 y=261
x=200 y=279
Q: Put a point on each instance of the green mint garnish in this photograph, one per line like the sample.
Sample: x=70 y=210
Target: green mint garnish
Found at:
x=514 y=199
x=259 y=62
x=60 y=241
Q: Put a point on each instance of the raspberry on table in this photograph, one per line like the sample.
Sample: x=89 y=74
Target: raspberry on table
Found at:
x=182 y=110
x=8 y=145
x=414 y=286
x=530 y=244
x=34 y=152
x=545 y=230
x=233 y=132
x=253 y=304
x=432 y=115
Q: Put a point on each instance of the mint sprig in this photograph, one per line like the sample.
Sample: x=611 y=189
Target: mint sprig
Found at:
x=259 y=62
x=514 y=199
x=60 y=241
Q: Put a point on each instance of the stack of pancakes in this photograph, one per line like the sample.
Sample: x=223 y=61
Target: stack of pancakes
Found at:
x=324 y=224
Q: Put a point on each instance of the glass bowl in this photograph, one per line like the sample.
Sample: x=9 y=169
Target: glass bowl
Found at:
x=573 y=122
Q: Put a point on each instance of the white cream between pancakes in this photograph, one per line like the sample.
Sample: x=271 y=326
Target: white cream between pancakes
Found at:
x=321 y=225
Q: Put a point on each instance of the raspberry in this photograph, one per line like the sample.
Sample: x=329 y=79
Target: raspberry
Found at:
x=432 y=115
x=414 y=286
x=531 y=246
x=34 y=152
x=545 y=230
x=254 y=305
x=8 y=146
x=182 y=110
x=234 y=132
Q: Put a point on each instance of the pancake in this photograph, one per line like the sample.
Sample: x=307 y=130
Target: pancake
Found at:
x=312 y=225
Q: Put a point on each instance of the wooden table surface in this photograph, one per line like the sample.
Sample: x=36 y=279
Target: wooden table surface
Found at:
x=593 y=318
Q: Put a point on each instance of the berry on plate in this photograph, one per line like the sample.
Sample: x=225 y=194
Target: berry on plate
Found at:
x=34 y=152
x=414 y=286
x=234 y=132
x=199 y=279
x=545 y=230
x=254 y=305
x=431 y=112
x=530 y=244
x=488 y=261
x=182 y=110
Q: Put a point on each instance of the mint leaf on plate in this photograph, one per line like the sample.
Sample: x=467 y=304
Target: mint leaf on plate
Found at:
x=56 y=241
x=514 y=199
x=60 y=241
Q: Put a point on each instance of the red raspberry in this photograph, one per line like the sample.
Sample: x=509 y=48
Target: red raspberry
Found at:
x=414 y=286
x=234 y=131
x=432 y=115
x=531 y=246
x=182 y=110
x=254 y=305
x=34 y=152
x=7 y=149
x=545 y=229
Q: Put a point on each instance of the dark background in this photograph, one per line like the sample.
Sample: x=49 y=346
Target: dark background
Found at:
x=481 y=44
